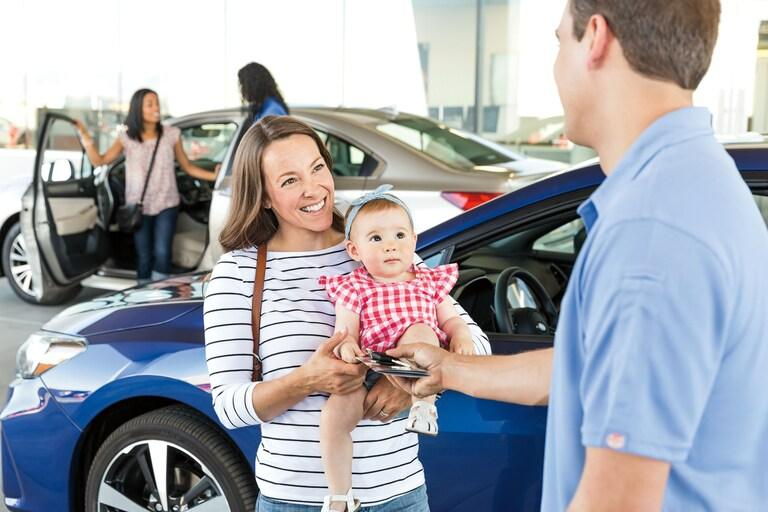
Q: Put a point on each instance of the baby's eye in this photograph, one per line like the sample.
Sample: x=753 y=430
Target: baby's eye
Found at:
x=375 y=238
x=400 y=235
x=289 y=181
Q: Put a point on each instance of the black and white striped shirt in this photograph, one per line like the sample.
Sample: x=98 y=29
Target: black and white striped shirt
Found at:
x=296 y=316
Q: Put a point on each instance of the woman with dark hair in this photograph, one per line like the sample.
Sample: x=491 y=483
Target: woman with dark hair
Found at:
x=142 y=136
x=282 y=204
x=260 y=93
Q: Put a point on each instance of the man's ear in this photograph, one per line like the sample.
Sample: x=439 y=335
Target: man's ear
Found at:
x=601 y=36
x=352 y=250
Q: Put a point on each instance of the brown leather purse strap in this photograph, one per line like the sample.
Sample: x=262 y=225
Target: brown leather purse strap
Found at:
x=258 y=288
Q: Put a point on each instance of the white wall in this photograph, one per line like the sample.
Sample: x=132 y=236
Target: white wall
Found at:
x=728 y=88
x=531 y=47
x=330 y=52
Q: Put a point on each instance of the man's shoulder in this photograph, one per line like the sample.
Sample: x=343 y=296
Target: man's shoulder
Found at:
x=683 y=182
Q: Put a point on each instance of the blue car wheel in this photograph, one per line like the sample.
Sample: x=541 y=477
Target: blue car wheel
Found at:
x=169 y=460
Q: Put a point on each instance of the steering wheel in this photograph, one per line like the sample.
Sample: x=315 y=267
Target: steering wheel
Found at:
x=525 y=320
x=191 y=190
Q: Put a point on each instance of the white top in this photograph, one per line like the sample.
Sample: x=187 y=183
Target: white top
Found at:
x=162 y=192
x=296 y=316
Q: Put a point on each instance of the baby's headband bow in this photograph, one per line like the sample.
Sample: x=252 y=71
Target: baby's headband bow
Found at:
x=379 y=193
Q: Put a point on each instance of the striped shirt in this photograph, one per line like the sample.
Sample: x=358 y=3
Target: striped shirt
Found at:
x=296 y=316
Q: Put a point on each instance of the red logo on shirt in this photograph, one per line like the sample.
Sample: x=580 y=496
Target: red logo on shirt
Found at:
x=615 y=441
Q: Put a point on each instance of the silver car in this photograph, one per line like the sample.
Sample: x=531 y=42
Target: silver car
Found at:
x=65 y=234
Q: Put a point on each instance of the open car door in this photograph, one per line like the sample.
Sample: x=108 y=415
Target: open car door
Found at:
x=61 y=221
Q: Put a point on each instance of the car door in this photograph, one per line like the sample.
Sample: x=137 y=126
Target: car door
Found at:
x=62 y=220
x=491 y=452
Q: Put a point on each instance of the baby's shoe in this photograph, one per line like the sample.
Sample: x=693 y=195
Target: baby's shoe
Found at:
x=422 y=419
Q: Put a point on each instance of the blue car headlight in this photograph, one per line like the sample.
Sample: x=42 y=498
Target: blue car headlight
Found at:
x=45 y=350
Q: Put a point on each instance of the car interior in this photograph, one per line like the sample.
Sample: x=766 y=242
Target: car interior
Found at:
x=206 y=146
x=513 y=282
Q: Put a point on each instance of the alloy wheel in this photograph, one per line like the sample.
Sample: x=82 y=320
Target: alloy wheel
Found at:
x=21 y=271
x=160 y=476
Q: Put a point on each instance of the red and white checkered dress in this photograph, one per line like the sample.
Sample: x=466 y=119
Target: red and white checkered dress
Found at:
x=387 y=309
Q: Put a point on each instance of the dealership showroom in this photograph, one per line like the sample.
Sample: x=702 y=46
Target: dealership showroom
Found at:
x=573 y=194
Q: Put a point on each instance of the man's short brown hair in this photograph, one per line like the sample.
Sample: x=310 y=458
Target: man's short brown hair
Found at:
x=665 y=39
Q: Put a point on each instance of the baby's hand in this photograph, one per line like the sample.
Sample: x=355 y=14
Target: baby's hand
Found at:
x=462 y=345
x=347 y=351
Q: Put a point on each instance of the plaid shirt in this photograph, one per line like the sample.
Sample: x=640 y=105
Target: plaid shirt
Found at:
x=387 y=309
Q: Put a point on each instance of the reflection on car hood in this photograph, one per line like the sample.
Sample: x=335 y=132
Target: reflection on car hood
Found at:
x=534 y=166
x=176 y=295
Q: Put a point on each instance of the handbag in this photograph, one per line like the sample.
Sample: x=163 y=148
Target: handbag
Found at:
x=258 y=288
x=129 y=216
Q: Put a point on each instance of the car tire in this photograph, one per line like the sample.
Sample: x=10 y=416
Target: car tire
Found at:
x=16 y=268
x=188 y=449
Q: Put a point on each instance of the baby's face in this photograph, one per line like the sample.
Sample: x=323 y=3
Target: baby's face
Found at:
x=384 y=242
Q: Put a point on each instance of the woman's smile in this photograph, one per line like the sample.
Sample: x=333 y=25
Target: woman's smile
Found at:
x=313 y=207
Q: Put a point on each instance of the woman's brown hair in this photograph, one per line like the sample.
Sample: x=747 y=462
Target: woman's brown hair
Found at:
x=248 y=223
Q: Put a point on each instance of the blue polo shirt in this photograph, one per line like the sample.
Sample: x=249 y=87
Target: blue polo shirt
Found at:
x=662 y=343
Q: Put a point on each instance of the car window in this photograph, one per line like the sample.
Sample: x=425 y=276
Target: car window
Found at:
x=567 y=239
x=348 y=159
x=63 y=157
x=561 y=239
x=207 y=143
x=456 y=149
x=434 y=260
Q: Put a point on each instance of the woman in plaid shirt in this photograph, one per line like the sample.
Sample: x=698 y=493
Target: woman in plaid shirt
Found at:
x=386 y=302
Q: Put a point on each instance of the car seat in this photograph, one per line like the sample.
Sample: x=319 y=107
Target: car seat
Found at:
x=474 y=293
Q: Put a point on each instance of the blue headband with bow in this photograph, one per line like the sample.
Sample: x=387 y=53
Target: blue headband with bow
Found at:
x=379 y=193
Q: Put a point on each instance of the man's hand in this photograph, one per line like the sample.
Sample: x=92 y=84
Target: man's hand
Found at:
x=431 y=358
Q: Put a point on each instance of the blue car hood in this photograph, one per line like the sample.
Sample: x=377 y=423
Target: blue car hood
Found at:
x=152 y=304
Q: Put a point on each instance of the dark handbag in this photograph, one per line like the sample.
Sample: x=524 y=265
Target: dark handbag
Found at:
x=258 y=288
x=129 y=216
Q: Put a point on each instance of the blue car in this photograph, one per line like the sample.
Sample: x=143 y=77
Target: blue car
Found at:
x=111 y=409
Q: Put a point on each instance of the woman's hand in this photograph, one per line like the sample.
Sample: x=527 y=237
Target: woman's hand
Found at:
x=385 y=401
x=85 y=138
x=325 y=372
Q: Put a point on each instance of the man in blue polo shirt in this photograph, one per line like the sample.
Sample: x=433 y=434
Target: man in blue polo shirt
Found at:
x=657 y=396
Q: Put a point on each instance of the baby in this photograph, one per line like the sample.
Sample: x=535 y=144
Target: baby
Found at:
x=386 y=302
